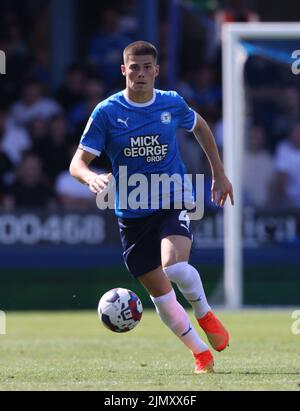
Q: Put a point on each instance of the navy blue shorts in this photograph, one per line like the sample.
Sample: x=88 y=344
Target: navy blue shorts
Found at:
x=141 y=238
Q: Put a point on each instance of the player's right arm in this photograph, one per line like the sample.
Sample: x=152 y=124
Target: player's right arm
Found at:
x=79 y=169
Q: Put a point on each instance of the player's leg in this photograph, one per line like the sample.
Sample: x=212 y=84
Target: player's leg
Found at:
x=138 y=238
x=175 y=317
x=175 y=252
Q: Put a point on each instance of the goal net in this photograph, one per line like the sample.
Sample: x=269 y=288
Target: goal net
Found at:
x=261 y=103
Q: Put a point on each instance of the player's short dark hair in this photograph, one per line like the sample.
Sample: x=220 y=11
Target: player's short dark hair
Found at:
x=140 y=48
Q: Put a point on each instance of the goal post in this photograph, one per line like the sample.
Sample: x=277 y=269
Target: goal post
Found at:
x=234 y=57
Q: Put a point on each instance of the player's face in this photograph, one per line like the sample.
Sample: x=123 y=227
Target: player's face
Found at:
x=140 y=73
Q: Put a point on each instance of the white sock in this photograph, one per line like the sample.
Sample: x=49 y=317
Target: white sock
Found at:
x=175 y=317
x=189 y=283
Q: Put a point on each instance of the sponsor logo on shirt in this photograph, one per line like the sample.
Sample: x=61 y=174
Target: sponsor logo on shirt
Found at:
x=148 y=147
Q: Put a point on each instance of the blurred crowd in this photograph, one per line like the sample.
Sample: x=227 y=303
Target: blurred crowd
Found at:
x=40 y=126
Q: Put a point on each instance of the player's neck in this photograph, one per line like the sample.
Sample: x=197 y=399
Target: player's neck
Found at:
x=142 y=97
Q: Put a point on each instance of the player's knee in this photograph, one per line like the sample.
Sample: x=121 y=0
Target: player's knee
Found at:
x=183 y=274
x=173 y=257
x=176 y=272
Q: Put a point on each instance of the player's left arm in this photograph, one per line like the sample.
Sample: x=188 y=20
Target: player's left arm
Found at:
x=221 y=186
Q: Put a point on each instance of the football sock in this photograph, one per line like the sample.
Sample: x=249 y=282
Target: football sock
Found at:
x=175 y=317
x=188 y=281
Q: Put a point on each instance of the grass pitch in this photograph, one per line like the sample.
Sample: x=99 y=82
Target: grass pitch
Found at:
x=73 y=351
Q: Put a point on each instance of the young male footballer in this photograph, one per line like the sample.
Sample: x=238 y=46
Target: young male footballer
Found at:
x=137 y=129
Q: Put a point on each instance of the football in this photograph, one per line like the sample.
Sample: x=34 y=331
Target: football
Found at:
x=120 y=310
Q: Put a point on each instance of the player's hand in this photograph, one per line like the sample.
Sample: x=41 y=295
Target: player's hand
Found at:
x=98 y=183
x=220 y=189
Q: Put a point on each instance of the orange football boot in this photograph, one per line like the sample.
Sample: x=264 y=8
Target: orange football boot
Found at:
x=216 y=333
x=204 y=362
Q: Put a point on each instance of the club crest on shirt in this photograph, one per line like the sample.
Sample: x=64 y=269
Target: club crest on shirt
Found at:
x=166 y=117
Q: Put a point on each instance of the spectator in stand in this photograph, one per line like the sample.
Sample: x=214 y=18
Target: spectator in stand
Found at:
x=50 y=141
x=208 y=16
x=33 y=104
x=273 y=104
x=190 y=152
x=94 y=92
x=38 y=131
x=72 y=195
x=287 y=161
x=207 y=93
x=6 y=165
x=41 y=66
x=30 y=188
x=204 y=11
x=236 y=11
x=289 y=102
x=106 y=47
x=14 y=140
x=258 y=170
x=71 y=92
x=58 y=143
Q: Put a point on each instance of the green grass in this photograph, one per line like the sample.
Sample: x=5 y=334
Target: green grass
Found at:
x=73 y=351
